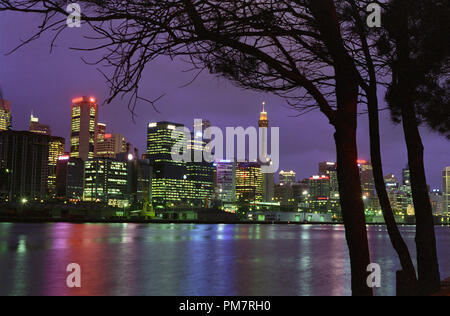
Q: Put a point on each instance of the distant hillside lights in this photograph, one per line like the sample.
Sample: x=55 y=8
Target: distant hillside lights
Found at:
x=213 y=151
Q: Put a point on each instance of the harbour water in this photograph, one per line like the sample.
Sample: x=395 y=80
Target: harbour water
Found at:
x=192 y=259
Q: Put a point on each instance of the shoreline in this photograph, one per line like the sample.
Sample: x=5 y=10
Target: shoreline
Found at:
x=154 y=221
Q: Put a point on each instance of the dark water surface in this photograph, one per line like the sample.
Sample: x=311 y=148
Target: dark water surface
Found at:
x=188 y=259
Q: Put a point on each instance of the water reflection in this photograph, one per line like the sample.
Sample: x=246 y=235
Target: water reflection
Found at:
x=188 y=259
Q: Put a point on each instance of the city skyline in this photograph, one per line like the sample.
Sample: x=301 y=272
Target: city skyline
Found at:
x=64 y=76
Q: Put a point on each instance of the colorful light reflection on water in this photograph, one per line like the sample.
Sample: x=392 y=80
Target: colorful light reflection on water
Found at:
x=189 y=259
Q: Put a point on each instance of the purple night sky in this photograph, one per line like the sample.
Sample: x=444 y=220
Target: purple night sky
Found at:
x=35 y=80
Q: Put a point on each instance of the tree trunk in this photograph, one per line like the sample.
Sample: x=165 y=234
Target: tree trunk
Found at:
x=347 y=88
x=407 y=279
x=352 y=206
x=427 y=261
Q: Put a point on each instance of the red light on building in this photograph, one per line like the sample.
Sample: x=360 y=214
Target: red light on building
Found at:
x=64 y=157
x=108 y=136
x=361 y=162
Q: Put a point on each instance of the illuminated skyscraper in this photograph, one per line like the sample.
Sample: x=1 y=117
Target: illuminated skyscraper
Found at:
x=101 y=132
x=110 y=145
x=268 y=179
x=226 y=181
x=105 y=181
x=83 y=135
x=446 y=190
x=329 y=169
x=176 y=183
x=36 y=127
x=56 y=148
x=367 y=179
x=5 y=115
x=249 y=180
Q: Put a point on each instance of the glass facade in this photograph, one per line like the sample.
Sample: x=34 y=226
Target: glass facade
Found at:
x=83 y=137
x=176 y=184
x=249 y=180
x=5 y=115
x=105 y=181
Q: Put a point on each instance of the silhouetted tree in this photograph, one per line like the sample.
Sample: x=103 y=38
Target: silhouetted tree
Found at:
x=415 y=44
x=294 y=49
x=364 y=53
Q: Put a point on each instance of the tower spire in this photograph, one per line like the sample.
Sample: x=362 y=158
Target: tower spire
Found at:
x=263 y=121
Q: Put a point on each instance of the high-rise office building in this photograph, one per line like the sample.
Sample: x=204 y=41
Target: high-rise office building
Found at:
x=437 y=202
x=36 y=127
x=287 y=178
x=319 y=187
x=106 y=181
x=249 y=180
x=24 y=161
x=83 y=135
x=56 y=148
x=111 y=145
x=101 y=132
x=177 y=183
x=367 y=179
x=69 y=178
x=5 y=115
x=446 y=191
x=226 y=181
x=268 y=181
x=329 y=169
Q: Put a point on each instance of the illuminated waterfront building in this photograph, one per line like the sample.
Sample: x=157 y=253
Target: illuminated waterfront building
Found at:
x=177 y=183
x=24 y=162
x=446 y=191
x=437 y=202
x=83 y=135
x=226 y=181
x=287 y=178
x=367 y=179
x=56 y=148
x=5 y=115
x=36 y=127
x=69 y=178
x=105 y=181
x=249 y=180
x=329 y=169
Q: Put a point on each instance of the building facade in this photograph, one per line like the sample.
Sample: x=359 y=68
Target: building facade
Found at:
x=177 y=184
x=83 y=135
x=446 y=191
x=106 y=181
x=69 y=178
x=24 y=160
x=111 y=145
x=5 y=115
x=56 y=148
x=226 y=181
x=249 y=180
